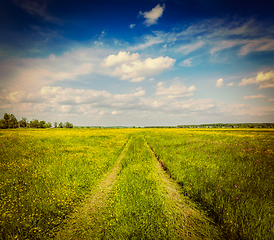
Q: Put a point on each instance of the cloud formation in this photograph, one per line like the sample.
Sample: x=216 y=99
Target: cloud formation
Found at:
x=254 y=96
x=186 y=63
x=176 y=90
x=122 y=57
x=153 y=15
x=265 y=80
x=150 y=66
x=219 y=82
x=149 y=42
x=191 y=47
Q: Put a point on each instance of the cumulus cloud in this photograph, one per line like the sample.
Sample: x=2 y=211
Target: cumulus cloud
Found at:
x=254 y=96
x=191 y=47
x=176 y=90
x=230 y=84
x=148 y=67
x=121 y=57
x=153 y=15
x=219 y=82
x=265 y=80
x=132 y=25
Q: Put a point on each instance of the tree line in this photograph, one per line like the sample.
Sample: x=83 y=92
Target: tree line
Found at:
x=10 y=121
x=230 y=125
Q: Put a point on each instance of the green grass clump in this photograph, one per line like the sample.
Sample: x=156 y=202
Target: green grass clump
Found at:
x=228 y=172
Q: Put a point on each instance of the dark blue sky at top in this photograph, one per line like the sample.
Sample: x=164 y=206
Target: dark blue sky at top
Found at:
x=81 y=21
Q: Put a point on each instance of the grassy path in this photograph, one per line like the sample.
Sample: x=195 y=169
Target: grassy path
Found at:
x=86 y=222
x=137 y=200
x=188 y=221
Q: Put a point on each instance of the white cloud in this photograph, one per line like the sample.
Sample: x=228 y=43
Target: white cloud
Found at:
x=249 y=46
x=226 y=44
x=121 y=57
x=250 y=111
x=186 y=63
x=219 y=82
x=153 y=15
x=150 y=42
x=230 y=84
x=191 y=47
x=116 y=112
x=254 y=96
x=137 y=79
x=151 y=79
x=132 y=25
x=265 y=80
x=159 y=84
x=33 y=73
x=259 y=45
x=144 y=68
x=175 y=90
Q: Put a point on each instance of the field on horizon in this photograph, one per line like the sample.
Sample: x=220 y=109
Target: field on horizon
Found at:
x=137 y=183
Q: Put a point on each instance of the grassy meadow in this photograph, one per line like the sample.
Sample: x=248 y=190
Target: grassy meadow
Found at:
x=229 y=173
x=44 y=174
x=169 y=183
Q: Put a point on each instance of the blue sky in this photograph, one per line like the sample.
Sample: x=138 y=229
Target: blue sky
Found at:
x=137 y=62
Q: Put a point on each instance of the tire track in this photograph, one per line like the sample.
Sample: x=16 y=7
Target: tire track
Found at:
x=85 y=220
x=189 y=222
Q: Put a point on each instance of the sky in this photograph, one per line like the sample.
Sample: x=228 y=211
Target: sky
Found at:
x=137 y=62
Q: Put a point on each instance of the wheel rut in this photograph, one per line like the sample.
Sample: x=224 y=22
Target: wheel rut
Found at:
x=90 y=219
x=189 y=221
x=89 y=213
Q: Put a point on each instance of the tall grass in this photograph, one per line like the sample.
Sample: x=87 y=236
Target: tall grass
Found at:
x=229 y=172
x=140 y=207
x=44 y=174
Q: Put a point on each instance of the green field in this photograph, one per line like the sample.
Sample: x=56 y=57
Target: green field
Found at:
x=136 y=184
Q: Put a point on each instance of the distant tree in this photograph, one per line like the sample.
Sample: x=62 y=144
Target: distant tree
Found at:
x=68 y=125
x=23 y=122
x=2 y=124
x=34 y=123
x=49 y=124
x=6 y=120
x=55 y=124
x=60 y=125
x=13 y=123
x=42 y=124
